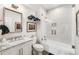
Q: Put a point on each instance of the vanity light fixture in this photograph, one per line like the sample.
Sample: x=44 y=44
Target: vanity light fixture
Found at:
x=14 y=6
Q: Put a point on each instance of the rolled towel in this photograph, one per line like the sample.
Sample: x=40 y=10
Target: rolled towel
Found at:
x=5 y=29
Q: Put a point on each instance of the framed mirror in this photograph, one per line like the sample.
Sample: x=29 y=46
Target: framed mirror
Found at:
x=13 y=20
x=77 y=23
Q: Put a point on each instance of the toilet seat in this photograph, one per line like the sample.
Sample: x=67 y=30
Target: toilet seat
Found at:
x=38 y=47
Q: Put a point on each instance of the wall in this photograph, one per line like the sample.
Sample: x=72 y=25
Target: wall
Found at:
x=43 y=24
x=62 y=16
x=25 y=12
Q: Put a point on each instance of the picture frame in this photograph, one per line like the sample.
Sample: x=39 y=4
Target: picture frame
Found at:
x=77 y=23
x=18 y=26
x=31 y=27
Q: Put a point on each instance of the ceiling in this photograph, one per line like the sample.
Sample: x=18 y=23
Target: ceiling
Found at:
x=45 y=6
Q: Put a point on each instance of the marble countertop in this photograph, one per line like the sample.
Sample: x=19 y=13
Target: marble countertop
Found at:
x=9 y=45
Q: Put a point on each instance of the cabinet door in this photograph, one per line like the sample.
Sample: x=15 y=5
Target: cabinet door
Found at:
x=27 y=48
x=22 y=49
x=11 y=51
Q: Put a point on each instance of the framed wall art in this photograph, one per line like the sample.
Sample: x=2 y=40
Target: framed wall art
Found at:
x=31 y=26
x=18 y=26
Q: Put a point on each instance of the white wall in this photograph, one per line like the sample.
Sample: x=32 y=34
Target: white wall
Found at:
x=42 y=25
x=25 y=13
x=63 y=18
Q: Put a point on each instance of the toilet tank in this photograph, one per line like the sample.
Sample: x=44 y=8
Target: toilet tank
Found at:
x=34 y=39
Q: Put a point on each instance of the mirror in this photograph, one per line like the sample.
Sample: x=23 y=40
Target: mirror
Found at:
x=77 y=23
x=13 y=20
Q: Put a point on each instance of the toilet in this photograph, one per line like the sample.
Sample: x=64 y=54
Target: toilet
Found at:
x=38 y=47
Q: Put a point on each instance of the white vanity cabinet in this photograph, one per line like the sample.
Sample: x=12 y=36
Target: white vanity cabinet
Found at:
x=21 y=49
x=11 y=51
x=27 y=48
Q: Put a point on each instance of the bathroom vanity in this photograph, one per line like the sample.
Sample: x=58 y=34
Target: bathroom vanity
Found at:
x=20 y=47
x=13 y=44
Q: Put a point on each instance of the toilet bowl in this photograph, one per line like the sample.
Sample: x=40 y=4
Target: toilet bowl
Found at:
x=38 y=47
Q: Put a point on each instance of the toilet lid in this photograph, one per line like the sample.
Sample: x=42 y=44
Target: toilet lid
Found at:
x=38 y=46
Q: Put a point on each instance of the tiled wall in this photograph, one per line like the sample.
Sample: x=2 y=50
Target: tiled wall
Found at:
x=62 y=16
